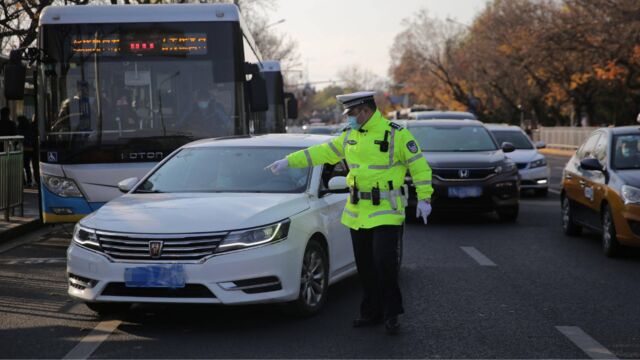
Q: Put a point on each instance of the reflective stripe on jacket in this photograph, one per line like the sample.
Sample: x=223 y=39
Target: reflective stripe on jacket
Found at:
x=369 y=167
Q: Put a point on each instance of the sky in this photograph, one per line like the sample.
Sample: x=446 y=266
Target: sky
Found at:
x=333 y=34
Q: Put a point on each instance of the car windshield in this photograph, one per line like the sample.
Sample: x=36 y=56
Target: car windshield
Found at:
x=453 y=138
x=442 y=116
x=626 y=152
x=515 y=137
x=226 y=169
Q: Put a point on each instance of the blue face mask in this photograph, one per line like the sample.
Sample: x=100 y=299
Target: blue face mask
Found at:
x=353 y=122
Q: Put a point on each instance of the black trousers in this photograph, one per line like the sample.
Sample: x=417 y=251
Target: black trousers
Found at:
x=376 y=253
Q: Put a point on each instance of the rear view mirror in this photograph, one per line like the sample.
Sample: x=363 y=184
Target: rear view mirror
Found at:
x=258 y=89
x=127 y=184
x=540 y=145
x=292 y=106
x=258 y=100
x=591 y=164
x=14 y=77
x=508 y=147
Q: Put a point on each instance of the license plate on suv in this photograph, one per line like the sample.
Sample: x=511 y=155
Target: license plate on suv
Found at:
x=462 y=192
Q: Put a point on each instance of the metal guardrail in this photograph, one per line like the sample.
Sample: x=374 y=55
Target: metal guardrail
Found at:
x=564 y=136
x=11 y=182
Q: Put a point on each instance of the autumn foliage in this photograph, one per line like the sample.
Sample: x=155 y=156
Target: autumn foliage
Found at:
x=552 y=62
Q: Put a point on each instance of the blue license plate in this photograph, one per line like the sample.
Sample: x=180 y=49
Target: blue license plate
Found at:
x=169 y=276
x=462 y=192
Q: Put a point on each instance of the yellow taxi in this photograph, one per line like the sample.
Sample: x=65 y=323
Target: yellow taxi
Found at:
x=601 y=188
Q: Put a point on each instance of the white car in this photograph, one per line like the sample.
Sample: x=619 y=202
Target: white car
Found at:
x=532 y=165
x=210 y=225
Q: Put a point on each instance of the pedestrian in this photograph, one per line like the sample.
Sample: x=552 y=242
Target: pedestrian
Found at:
x=28 y=143
x=378 y=153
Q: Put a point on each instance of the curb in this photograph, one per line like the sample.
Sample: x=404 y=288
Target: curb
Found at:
x=558 y=152
x=20 y=230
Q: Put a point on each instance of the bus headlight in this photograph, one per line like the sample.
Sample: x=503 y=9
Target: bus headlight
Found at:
x=61 y=186
x=253 y=237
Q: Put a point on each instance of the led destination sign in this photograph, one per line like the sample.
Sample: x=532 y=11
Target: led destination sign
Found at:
x=148 y=44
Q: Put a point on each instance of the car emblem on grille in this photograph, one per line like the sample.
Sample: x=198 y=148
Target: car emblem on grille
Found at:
x=155 y=249
x=463 y=173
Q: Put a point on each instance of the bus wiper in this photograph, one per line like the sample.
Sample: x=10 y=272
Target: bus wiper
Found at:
x=149 y=191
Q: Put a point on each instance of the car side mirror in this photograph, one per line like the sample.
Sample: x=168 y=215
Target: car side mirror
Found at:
x=127 y=184
x=508 y=147
x=591 y=164
x=14 y=77
x=337 y=185
x=540 y=145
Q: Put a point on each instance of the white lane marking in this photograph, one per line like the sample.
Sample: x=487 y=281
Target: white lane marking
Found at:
x=477 y=256
x=30 y=261
x=90 y=343
x=554 y=191
x=586 y=343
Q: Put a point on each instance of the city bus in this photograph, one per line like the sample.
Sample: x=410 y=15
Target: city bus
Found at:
x=282 y=105
x=122 y=86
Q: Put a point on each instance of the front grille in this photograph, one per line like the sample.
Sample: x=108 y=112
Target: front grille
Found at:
x=521 y=165
x=174 y=247
x=189 y=291
x=458 y=174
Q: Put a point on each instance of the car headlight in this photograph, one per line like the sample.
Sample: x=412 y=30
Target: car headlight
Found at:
x=85 y=237
x=506 y=166
x=538 y=163
x=61 y=186
x=630 y=194
x=253 y=237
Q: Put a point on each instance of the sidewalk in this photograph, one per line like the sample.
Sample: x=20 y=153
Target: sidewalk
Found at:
x=17 y=225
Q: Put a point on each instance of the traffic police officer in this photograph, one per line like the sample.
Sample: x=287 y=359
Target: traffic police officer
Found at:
x=378 y=153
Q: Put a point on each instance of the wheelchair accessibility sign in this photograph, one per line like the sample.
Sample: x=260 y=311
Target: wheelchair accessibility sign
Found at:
x=52 y=156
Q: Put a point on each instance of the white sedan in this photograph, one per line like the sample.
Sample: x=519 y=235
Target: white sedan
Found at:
x=210 y=225
x=532 y=165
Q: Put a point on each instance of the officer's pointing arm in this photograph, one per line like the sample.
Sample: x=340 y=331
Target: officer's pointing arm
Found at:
x=417 y=164
x=327 y=153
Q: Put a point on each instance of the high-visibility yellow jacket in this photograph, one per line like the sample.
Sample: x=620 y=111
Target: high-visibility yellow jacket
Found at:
x=370 y=167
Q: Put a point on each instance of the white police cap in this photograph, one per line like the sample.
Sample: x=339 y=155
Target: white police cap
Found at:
x=355 y=99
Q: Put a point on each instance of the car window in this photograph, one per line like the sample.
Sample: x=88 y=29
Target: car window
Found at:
x=515 y=137
x=587 y=150
x=626 y=152
x=226 y=169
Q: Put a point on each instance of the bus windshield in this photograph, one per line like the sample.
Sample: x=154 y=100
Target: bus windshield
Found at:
x=112 y=90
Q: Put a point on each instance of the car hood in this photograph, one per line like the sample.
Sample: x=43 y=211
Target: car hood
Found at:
x=630 y=177
x=523 y=156
x=194 y=212
x=478 y=159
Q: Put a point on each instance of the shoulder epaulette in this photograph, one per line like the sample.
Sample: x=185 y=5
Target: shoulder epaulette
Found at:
x=395 y=126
